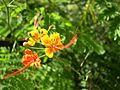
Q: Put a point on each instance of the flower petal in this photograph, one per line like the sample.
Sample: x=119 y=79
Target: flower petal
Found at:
x=60 y=46
x=36 y=37
x=46 y=40
x=35 y=31
x=43 y=32
x=37 y=60
x=49 y=52
x=27 y=58
x=28 y=51
x=37 y=64
x=31 y=42
x=55 y=38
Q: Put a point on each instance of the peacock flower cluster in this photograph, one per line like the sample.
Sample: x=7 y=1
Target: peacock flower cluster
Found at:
x=51 y=43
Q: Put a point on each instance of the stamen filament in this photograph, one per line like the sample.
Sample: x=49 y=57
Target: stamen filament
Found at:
x=71 y=41
x=18 y=71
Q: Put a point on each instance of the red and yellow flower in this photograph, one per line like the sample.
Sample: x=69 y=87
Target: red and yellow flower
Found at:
x=52 y=44
x=31 y=57
x=35 y=37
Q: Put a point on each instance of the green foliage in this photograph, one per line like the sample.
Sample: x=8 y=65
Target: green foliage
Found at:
x=92 y=63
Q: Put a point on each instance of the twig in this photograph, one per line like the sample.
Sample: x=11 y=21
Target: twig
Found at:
x=85 y=58
x=13 y=48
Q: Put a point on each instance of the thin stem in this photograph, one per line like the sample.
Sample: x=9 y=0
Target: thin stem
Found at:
x=51 y=26
x=8 y=15
x=33 y=74
x=84 y=14
x=85 y=58
x=36 y=48
x=13 y=48
x=11 y=2
x=42 y=56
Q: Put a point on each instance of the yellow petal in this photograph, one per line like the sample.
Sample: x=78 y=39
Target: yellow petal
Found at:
x=46 y=40
x=43 y=31
x=34 y=32
x=49 y=52
x=31 y=42
x=55 y=38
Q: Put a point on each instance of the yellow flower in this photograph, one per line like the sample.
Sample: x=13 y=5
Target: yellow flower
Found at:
x=35 y=34
x=36 y=37
x=32 y=33
x=31 y=42
x=52 y=44
x=43 y=32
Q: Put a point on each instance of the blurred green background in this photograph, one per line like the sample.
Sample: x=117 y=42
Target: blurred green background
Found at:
x=92 y=63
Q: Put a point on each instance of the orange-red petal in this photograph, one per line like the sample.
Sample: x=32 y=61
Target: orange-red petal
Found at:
x=28 y=51
x=60 y=46
x=36 y=37
x=27 y=58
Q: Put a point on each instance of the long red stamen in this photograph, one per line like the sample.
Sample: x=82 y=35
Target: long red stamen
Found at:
x=71 y=41
x=18 y=71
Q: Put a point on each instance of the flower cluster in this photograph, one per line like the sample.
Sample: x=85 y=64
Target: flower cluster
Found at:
x=51 y=43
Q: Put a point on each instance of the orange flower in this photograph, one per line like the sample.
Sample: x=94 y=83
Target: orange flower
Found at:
x=28 y=59
x=52 y=44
